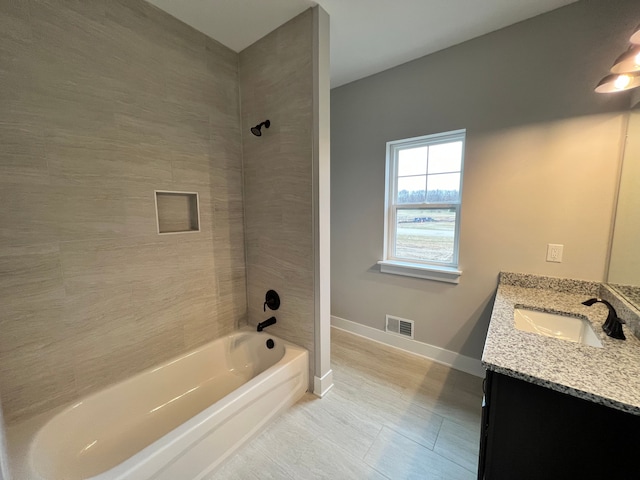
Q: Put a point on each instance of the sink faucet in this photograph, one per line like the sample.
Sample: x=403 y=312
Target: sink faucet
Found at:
x=266 y=323
x=613 y=325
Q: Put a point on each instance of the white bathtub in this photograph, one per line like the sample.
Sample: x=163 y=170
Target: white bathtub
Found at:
x=177 y=421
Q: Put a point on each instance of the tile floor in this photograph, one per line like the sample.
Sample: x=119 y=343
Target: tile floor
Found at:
x=390 y=415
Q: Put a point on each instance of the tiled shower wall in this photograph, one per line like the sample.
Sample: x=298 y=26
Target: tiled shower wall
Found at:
x=100 y=104
x=276 y=83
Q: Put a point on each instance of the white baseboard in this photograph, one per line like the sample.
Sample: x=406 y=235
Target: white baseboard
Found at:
x=437 y=354
x=321 y=385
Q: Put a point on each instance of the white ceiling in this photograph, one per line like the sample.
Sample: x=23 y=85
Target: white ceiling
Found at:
x=367 y=36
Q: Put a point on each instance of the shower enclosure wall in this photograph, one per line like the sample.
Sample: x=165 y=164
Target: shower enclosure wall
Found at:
x=102 y=104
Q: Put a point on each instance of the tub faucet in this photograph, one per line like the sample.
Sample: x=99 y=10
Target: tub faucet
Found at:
x=613 y=325
x=266 y=323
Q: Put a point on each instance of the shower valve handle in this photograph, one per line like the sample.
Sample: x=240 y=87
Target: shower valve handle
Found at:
x=271 y=300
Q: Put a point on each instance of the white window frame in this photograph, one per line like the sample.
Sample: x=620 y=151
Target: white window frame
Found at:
x=445 y=272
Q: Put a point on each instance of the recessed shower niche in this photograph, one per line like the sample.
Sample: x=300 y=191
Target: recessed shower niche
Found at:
x=177 y=212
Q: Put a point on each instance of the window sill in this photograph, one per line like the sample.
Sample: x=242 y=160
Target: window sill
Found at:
x=417 y=270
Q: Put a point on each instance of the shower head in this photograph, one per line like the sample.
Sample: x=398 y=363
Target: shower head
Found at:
x=256 y=130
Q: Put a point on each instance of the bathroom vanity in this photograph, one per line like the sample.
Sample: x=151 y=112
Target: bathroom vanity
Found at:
x=553 y=408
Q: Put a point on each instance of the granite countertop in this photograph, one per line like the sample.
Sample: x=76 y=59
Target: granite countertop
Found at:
x=608 y=375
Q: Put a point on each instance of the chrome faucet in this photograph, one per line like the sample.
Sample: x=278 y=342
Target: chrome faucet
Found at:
x=613 y=325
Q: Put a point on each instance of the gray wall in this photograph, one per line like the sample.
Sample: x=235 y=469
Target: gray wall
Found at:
x=541 y=165
x=276 y=83
x=100 y=104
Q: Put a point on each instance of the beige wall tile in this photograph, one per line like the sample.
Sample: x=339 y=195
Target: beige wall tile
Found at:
x=101 y=103
x=110 y=101
x=23 y=159
x=119 y=348
x=35 y=378
x=276 y=84
x=34 y=271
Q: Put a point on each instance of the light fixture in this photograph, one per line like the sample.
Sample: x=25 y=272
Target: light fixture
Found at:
x=618 y=83
x=628 y=62
x=635 y=38
x=625 y=70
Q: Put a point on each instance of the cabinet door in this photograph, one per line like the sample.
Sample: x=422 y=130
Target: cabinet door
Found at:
x=484 y=425
x=537 y=433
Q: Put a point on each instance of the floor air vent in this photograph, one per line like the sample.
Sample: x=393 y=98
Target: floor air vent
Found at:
x=399 y=326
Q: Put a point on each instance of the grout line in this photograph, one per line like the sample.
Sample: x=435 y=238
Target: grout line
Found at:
x=462 y=424
x=371 y=446
x=402 y=434
x=455 y=462
x=454 y=456
x=438 y=435
x=378 y=471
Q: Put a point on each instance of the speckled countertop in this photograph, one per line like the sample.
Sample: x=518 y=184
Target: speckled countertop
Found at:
x=608 y=375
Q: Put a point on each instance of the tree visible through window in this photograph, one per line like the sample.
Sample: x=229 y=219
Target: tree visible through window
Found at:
x=424 y=188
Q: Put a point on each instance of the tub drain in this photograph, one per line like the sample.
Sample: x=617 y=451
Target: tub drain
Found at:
x=270 y=344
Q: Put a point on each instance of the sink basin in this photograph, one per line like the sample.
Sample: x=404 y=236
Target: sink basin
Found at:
x=554 y=325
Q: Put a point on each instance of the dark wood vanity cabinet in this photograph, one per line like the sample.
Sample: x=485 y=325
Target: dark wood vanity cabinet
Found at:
x=533 y=432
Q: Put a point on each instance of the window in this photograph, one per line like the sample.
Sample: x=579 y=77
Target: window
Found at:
x=422 y=218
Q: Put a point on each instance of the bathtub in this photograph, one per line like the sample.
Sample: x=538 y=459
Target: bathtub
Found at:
x=178 y=420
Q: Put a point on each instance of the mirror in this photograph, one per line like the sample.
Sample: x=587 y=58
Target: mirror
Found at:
x=624 y=263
